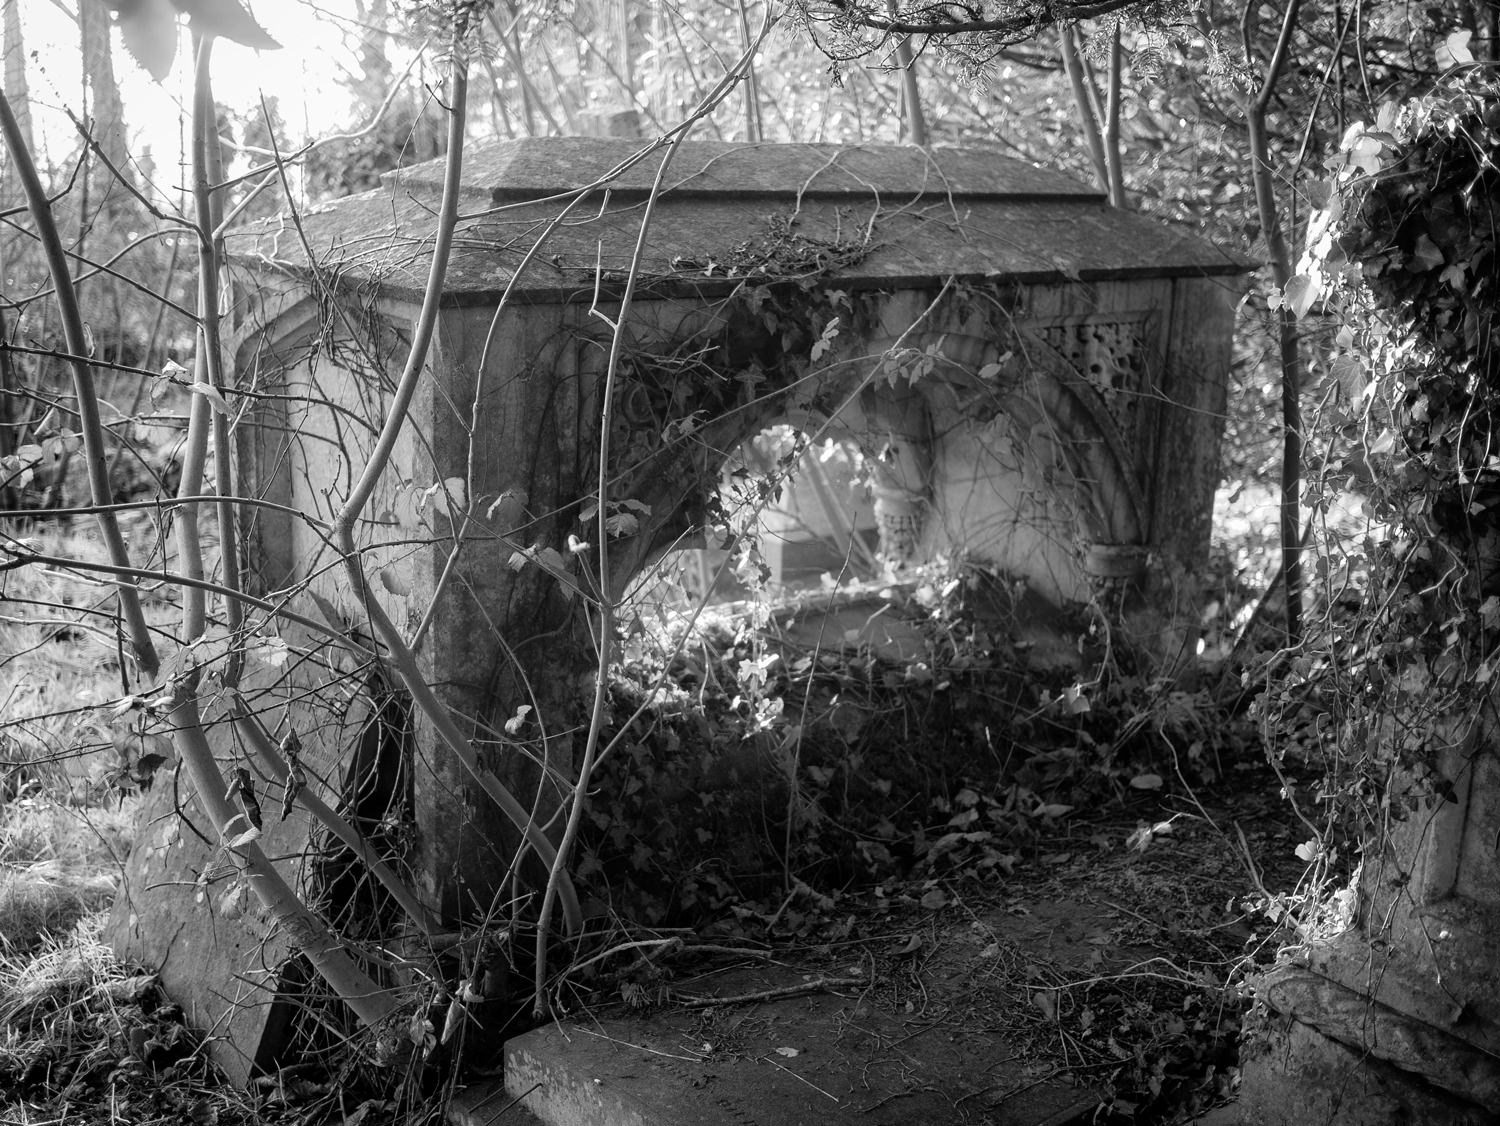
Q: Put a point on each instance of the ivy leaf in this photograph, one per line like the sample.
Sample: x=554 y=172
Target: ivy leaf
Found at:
x=1301 y=291
x=242 y=790
x=149 y=28
x=550 y=560
x=232 y=902
x=296 y=777
x=511 y=501
x=1051 y=811
x=825 y=342
x=248 y=837
x=1424 y=255
x=271 y=651
x=1454 y=51
x=1350 y=374
x=621 y=524
x=1489 y=611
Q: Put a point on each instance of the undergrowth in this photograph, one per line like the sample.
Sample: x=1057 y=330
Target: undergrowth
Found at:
x=759 y=771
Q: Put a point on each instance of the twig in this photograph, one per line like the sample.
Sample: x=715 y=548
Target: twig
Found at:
x=22 y=558
x=799 y=1078
x=207 y=206
x=813 y=986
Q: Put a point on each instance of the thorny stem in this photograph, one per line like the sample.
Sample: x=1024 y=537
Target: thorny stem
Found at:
x=83 y=384
x=606 y=591
x=402 y=658
x=558 y=876
x=1290 y=351
x=207 y=170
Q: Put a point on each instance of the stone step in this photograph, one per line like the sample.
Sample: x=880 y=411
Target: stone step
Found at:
x=824 y=1057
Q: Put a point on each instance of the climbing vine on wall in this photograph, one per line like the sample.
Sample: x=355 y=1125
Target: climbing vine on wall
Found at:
x=1403 y=253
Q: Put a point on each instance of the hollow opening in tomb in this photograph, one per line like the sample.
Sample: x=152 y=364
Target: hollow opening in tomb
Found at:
x=794 y=511
x=942 y=470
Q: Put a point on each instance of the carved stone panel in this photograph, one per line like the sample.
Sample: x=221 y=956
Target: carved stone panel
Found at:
x=1111 y=352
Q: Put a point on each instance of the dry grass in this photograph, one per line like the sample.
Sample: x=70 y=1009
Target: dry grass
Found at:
x=46 y=900
x=86 y=1040
x=63 y=833
x=57 y=864
x=60 y=655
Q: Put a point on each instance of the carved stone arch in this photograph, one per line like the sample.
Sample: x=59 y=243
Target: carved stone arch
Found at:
x=1070 y=382
x=888 y=424
x=1040 y=393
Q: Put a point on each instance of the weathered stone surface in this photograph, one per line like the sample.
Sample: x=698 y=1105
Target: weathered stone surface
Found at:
x=857 y=215
x=1413 y=978
x=826 y=1057
x=1412 y=1045
x=1295 y=1076
x=536 y=168
x=223 y=967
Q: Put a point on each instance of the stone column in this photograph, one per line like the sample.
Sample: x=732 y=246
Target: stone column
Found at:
x=898 y=441
x=1392 y=1015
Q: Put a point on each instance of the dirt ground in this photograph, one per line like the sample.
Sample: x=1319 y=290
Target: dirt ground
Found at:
x=1108 y=959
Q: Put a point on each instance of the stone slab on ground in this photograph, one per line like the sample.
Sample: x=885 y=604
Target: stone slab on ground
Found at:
x=825 y=1057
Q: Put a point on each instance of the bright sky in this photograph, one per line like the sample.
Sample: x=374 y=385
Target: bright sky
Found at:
x=303 y=75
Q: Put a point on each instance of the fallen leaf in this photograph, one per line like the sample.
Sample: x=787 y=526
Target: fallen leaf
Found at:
x=1046 y=1001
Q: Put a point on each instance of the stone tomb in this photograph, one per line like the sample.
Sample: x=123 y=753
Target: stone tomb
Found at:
x=1039 y=378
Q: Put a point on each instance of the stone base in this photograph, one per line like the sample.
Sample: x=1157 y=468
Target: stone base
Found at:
x=832 y=1056
x=1295 y=1076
